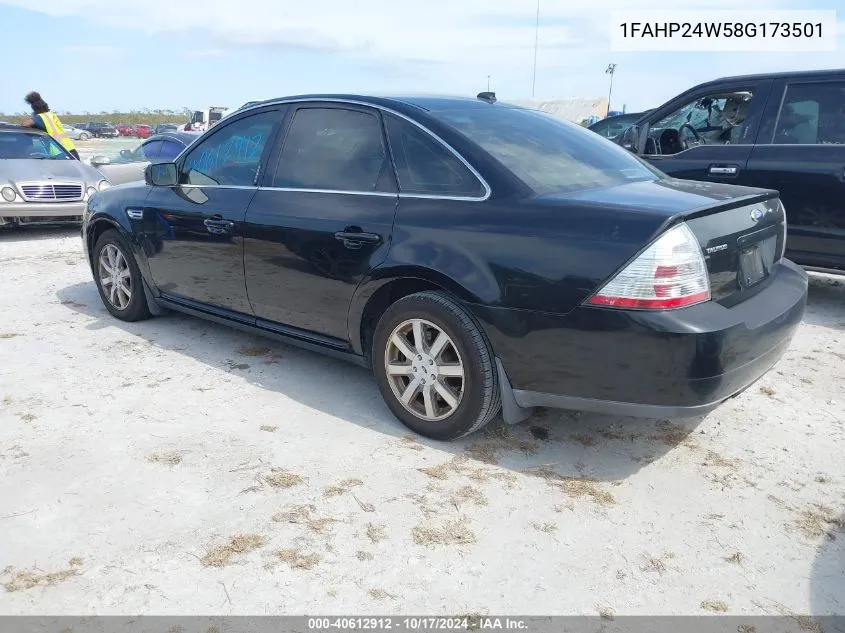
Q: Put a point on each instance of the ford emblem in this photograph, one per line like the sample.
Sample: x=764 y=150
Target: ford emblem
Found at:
x=757 y=214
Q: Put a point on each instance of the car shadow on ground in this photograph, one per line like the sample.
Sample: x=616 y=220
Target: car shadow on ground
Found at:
x=551 y=444
x=39 y=232
x=826 y=301
x=827 y=579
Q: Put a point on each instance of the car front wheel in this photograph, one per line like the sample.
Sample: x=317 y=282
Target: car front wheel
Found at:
x=84 y=136
x=118 y=278
x=434 y=366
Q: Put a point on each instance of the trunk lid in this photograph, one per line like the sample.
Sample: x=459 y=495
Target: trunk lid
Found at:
x=741 y=241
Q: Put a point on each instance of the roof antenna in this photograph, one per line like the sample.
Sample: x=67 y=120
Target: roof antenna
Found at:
x=489 y=97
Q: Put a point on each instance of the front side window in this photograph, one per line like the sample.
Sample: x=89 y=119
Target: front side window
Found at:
x=425 y=166
x=149 y=151
x=717 y=119
x=231 y=156
x=549 y=155
x=334 y=149
x=812 y=114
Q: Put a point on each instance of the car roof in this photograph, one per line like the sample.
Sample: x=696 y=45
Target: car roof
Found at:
x=404 y=103
x=795 y=74
x=186 y=138
x=5 y=129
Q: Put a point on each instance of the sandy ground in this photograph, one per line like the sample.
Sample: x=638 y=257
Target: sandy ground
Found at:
x=177 y=467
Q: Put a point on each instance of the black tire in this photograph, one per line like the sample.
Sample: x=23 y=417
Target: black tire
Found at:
x=481 y=399
x=84 y=136
x=136 y=309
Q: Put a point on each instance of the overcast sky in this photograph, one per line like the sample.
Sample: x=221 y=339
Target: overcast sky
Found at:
x=93 y=55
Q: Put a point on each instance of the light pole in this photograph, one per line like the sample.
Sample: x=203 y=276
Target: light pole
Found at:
x=536 y=42
x=488 y=83
x=611 y=68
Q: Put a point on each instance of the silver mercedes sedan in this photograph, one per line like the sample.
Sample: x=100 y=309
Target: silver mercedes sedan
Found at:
x=40 y=182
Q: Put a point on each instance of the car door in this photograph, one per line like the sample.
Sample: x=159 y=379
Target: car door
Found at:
x=321 y=221
x=706 y=134
x=801 y=153
x=196 y=226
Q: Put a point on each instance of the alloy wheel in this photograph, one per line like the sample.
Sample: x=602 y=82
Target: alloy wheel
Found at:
x=424 y=369
x=115 y=277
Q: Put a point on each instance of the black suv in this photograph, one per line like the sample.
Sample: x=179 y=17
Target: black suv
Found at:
x=101 y=130
x=783 y=131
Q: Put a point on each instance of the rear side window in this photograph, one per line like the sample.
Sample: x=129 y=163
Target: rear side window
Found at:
x=425 y=166
x=812 y=114
x=334 y=149
x=546 y=153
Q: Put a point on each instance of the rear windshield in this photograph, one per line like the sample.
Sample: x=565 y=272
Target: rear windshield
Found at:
x=548 y=154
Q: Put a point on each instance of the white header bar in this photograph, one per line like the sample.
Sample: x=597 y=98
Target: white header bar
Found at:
x=724 y=31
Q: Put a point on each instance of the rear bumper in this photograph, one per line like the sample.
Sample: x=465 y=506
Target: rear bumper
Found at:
x=678 y=363
x=41 y=209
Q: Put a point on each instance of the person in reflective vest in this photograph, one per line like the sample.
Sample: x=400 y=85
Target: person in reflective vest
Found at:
x=44 y=119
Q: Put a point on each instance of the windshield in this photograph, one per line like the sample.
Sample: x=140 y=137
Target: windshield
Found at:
x=15 y=145
x=546 y=153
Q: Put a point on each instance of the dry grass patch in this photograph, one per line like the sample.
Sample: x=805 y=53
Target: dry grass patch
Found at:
x=584 y=439
x=297 y=560
x=269 y=428
x=8 y=335
x=819 y=520
x=222 y=555
x=281 y=478
x=381 y=594
x=448 y=533
x=411 y=442
x=767 y=391
x=459 y=465
x=376 y=532
x=654 y=564
x=363 y=556
x=254 y=352
x=716 y=606
x=28 y=416
x=468 y=494
x=573 y=486
x=547 y=528
x=486 y=453
x=168 y=459
x=303 y=515
x=23 y=579
x=715 y=459
x=342 y=487
x=673 y=435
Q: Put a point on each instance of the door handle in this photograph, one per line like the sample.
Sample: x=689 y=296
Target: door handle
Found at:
x=218 y=226
x=723 y=171
x=356 y=239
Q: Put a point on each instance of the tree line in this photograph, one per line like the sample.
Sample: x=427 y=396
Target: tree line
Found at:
x=145 y=115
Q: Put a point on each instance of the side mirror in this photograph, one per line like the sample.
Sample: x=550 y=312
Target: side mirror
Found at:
x=96 y=161
x=632 y=139
x=160 y=174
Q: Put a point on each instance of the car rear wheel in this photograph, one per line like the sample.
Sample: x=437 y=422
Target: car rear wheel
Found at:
x=118 y=278
x=84 y=136
x=434 y=367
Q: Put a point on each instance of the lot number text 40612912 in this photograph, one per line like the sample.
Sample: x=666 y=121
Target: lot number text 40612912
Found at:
x=462 y=623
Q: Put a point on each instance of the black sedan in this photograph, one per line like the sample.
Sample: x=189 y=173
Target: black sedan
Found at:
x=479 y=257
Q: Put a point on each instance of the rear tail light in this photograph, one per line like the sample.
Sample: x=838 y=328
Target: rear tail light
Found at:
x=671 y=273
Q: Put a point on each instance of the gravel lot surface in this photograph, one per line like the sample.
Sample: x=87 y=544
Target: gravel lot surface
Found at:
x=174 y=466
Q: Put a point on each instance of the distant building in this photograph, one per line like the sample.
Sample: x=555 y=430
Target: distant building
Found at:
x=574 y=110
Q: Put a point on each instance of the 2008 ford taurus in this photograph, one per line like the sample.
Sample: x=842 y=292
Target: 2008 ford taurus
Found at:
x=478 y=256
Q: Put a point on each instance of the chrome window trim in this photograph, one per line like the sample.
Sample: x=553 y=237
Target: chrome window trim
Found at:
x=425 y=196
